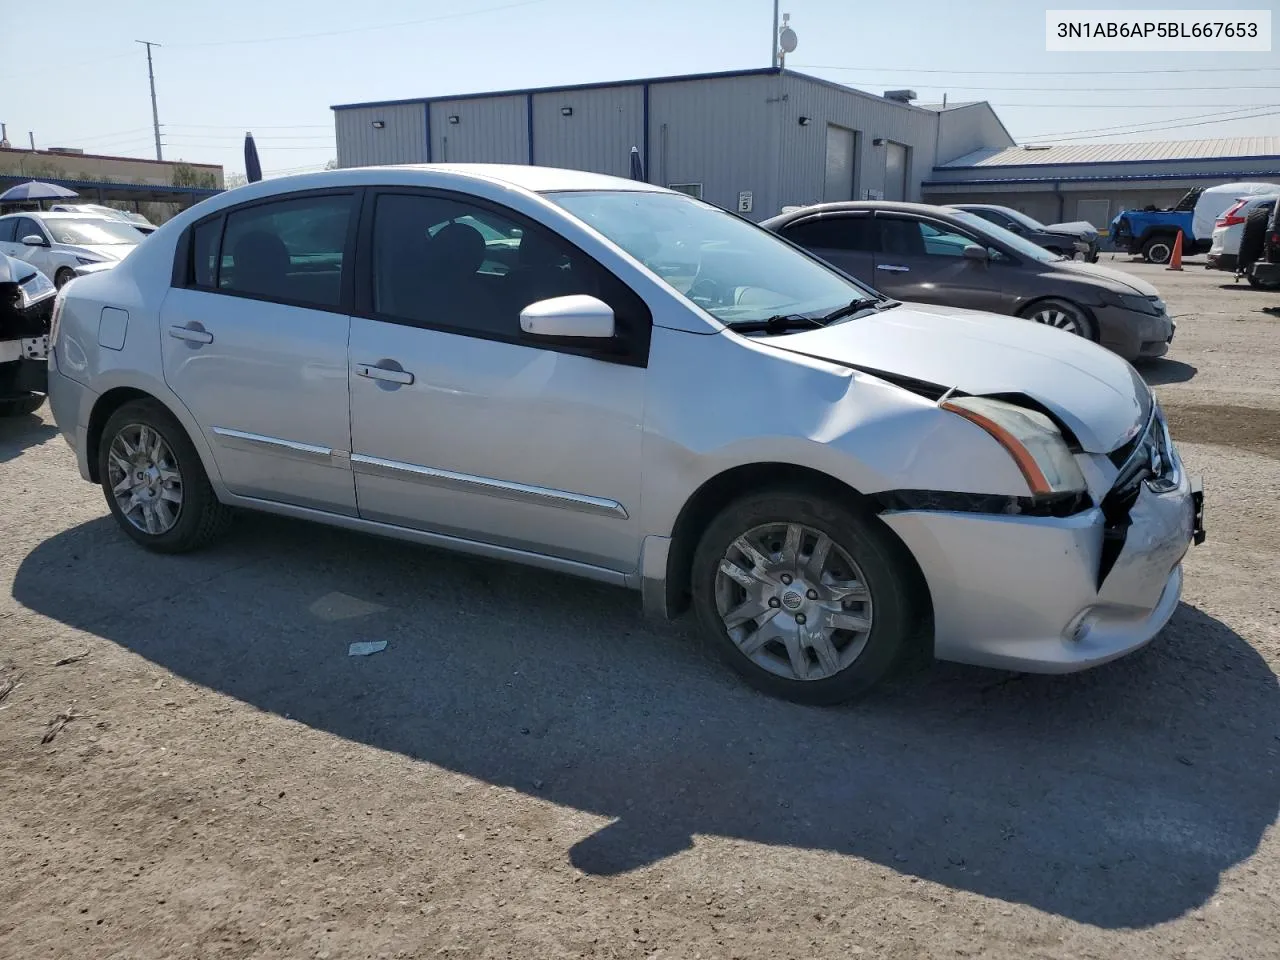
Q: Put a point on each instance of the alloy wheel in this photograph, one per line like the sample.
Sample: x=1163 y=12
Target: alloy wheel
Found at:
x=1057 y=317
x=793 y=601
x=145 y=479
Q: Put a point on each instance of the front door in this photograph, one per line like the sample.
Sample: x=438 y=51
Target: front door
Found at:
x=845 y=240
x=255 y=345
x=923 y=260
x=460 y=424
x=38 y=257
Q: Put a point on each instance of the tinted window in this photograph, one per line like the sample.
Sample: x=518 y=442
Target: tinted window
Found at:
x=7 y=229
x=993 y=217
x=920 y=239
x=289 y=250
x=26 y=228
x=447 y=263
x=833 y=233
x=204 y=251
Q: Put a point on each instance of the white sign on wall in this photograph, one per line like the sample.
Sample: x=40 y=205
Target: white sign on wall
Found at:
x=744 y=201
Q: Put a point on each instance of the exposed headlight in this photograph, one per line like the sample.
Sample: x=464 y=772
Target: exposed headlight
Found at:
x=35 y=288
x=85 y=260
x=1130 y=301
x=1031 y=438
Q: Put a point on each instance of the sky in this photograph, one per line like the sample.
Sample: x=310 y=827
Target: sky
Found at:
x=276 y=67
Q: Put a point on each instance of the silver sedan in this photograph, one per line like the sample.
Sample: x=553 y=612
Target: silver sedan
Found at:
x=623 y=383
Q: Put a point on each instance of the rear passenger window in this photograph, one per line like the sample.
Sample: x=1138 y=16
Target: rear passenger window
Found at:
x=286 y=250
x=833 y=233
x=6 y=230
x=204 y=251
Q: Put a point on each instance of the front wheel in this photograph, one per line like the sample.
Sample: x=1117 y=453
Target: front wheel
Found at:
x=1157 y=250
x=1064 y=315
x=154 y=482
x=63 y=277
x=807 y=599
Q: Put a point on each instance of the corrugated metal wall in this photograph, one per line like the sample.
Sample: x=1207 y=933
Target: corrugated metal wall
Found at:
x=962 y=130
x=598 y=135
x=802 y=149
x=402 y=139
x=489 y=130
x=720 y=133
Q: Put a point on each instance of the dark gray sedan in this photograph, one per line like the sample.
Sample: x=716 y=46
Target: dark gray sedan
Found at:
x=927 y=254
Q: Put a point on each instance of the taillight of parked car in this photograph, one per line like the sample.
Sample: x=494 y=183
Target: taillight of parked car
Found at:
x=1231 y=218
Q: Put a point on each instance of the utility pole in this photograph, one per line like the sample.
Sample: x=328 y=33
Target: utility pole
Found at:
x=773 y=40
x=155 y=114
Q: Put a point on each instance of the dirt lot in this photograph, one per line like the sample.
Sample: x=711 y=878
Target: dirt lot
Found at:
x=531 y=770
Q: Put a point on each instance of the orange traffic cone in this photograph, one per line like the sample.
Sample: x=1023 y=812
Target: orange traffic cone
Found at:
x=1175 y=262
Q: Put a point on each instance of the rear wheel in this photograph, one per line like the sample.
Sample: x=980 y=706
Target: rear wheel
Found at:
x=1064 y=315
x=1252 y=239
x=807 y=599
x=1158 y=249
x=154 y=482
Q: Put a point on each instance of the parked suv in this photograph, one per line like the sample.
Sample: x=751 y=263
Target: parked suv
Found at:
x=56 y=243
x=948 y=256
x=554 y=389
x=1076 y=241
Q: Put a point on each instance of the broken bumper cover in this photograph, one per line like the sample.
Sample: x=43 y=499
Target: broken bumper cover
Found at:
x=1021 y=592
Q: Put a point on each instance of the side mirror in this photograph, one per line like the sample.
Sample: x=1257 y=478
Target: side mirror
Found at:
x=974 y=252
x=34 y=240
x=575 y=317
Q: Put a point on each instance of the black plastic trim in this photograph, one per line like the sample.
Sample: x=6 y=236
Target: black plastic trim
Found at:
x=949 y=501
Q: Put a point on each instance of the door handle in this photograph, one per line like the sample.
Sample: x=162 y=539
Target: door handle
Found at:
x=892 y=268
x=190 y=334
x=376 y=372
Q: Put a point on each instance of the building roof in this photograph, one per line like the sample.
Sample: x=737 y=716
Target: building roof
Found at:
x=637 y=81
x=1035 y=155
x=950 y=105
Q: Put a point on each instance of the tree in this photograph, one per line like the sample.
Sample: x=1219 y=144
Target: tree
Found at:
x=233 y=180
x=185 y=175
x=331 y=164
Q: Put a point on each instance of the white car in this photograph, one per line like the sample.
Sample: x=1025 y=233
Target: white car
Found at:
x=57 y=243
x=502 y=360
x=100 y=210
x=1228 y=230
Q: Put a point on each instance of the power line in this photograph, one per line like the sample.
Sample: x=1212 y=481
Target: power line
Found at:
x=364 y=29
x=1041 y=105
x=252 y=126
x=897 y=70
x=1223 y=116
x=1172 y=126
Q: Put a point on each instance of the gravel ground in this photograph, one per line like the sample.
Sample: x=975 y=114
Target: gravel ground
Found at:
x=532 y=770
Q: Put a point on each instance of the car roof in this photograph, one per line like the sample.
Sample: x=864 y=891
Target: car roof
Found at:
x=899 y=206
x=58 y=215
x=522 y=176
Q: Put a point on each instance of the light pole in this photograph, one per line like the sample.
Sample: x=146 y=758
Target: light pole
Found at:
x=155 y=114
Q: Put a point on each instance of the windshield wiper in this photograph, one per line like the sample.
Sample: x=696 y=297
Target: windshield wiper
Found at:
x=857 y=305
x=776 y=324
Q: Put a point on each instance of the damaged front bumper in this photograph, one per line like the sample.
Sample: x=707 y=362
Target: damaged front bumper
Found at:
x=1043 y=594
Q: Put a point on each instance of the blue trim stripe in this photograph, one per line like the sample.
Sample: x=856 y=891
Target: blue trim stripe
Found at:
x=528 y=103
x=648 y=178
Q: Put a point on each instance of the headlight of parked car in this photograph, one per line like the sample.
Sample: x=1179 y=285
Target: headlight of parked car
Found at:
x=85 y=260
x=1129 y=301
x=1031 y=438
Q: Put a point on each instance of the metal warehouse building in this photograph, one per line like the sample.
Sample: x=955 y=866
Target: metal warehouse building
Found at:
x=754 y=141
x=1095 y=182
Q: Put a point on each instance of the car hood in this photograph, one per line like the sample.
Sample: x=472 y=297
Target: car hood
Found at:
x=1094 y=392
x=1078 y=228
x=1127 y=282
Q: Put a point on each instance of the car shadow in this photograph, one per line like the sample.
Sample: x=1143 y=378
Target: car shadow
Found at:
x=1117 y=797
x=1164 y=371
x=19 y=433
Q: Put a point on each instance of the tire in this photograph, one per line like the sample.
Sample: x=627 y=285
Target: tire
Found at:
x=63 y=277
x=1062 y=314
x=21 y=406
x=198 y=517
x=880 y=589
x=1158 y=249
x=1252 y=238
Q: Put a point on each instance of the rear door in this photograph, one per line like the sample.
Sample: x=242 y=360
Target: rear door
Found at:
x=922 y=260
x=845 y=240
x=254 y=341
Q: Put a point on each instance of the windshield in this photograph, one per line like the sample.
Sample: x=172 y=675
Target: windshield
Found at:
x=1019 y=245
x=92 y=231
x=736 y=271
